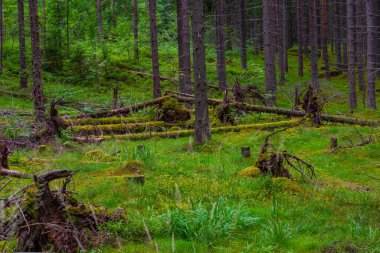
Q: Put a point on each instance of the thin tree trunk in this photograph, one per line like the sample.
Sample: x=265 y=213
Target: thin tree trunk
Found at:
x=136 y=31
x=1 y=37
x=300 y=36
x=344 y=37
x=371 y=52
x=378 y=39
x=306 y=34
x=44 y=19
x=314 y=43
x=114 y=13
x=38 y=95
x=154 y=43
x=325 y=39
x=220 y=45
x=202 y=123
x=21 y=39
x=184 y=47
x=243 y=35
x=68 y=28
x=270 y=69
x=100 y=20
x=281 y=40
x=351 y=52
x=360 y=34
x=338 y=38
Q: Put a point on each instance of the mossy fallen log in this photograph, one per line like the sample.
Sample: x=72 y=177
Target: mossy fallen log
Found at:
x=182 y=133
x=280 y=111
x=120 y=128
x=129 y=109
x=104 y=121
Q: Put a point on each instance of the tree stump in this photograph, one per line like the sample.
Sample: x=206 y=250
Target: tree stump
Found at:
x=139 y=179
x=333 y=143
x=4 y=152
x=246 y=152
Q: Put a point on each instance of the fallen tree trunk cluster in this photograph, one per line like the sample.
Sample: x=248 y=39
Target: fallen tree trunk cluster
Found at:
x=45 y=220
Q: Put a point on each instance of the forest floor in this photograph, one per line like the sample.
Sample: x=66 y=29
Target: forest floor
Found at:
x=194 y=199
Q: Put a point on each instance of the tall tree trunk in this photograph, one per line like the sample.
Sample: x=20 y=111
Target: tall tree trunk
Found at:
x=351 y=52
x=136 y=31
x=281 y=40
x=270 y=69
x=202 y=122
x=325 y=39
x=300 y=36
x=114 y=13
x=100 y=20
x=306 y=34
x=68 y=28
x=343 y=26
x=314 y=43
x=378 y=39
x=371 y=52
x=243 y=35
x=38 y=95
x=184 y=47
x=154 y=42
x=1 y=37
x=360 y=21
x=44 y=19
x=21 y=39
x=338 y=38
x=220 y=46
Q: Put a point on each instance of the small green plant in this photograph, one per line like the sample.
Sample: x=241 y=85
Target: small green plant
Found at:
x=209 y=224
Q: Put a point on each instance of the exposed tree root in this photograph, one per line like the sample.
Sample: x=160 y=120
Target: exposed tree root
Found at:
x=45 y=220
x=276 y=162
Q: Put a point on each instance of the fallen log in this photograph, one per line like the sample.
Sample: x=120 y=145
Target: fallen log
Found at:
x=127 y=110
x=280 y=111
x=182 y=133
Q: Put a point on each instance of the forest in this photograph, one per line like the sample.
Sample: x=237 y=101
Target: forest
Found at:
x=190 y=126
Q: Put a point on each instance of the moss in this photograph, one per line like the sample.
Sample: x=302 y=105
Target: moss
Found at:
x=130 y=169
x=106 y=121
x=172 y=111
x=288 y=185
x=41 y=148
x=98 y=155
x=249 y=172
x=121 y=128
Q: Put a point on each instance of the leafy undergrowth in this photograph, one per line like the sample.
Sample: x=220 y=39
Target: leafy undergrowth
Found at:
x=194 y=199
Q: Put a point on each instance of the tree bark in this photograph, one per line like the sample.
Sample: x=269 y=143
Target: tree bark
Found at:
x=184 y=47
x=21 y=39
x=325 y=39
x=38 y=95
x=100 y=20
x=351 y=52
x=314 y=43
x=243 y=35
x=136 y=31
x=344 y=30
x=300 y=36
x=1 y=37
x=220 y=46
x=281 y=40
x=202 y=123
x=338 y=38
x=371 y=52
x=154 y=44
x=306 y=34
x=360 y=21
x=270 y=69
x=68 y=28
x=44 y=30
